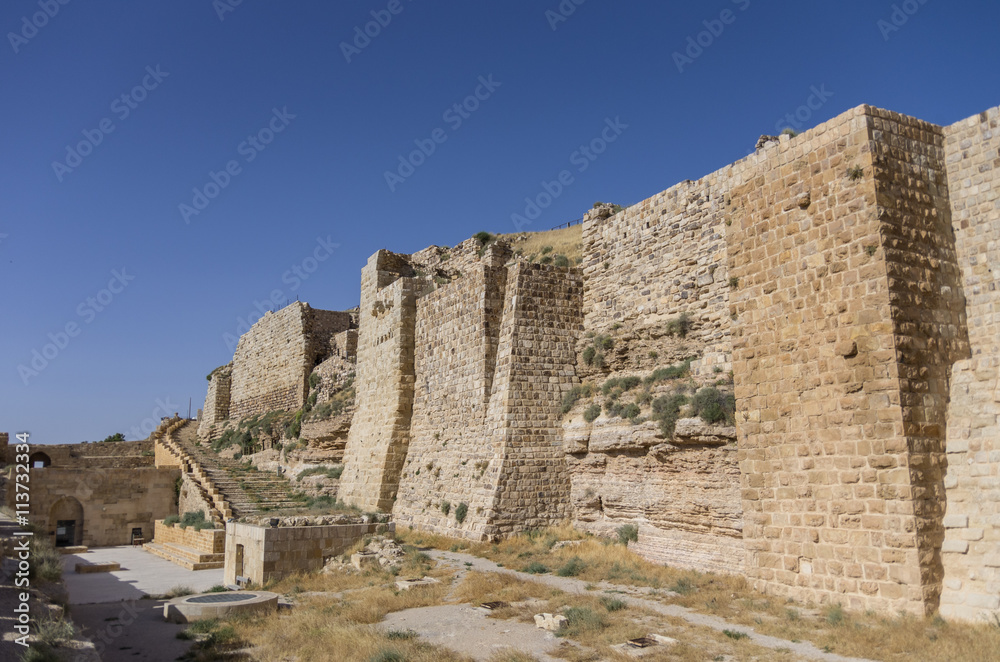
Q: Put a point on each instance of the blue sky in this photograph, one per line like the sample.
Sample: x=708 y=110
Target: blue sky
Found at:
x=288 y=135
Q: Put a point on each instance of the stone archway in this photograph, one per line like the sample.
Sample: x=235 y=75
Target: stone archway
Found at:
x=38 y=460
x=66 y=522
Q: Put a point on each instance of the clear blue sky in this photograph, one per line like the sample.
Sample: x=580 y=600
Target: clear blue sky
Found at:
x=99 y=243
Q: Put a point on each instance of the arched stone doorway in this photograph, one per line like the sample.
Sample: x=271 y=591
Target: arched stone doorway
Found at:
x=66 y=521
x=38 y=460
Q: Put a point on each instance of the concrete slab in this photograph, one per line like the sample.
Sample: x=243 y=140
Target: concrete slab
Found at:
x=141 y=574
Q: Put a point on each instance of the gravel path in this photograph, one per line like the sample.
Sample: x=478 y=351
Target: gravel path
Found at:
x=803 y=649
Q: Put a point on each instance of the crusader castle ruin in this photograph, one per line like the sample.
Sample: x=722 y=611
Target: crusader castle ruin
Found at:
x=831 y=298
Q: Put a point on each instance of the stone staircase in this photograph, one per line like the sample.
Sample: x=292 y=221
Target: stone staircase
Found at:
x=194 y=550
x=234 y=489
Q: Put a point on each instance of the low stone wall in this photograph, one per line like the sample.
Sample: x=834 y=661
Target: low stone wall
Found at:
x=206 y=541
x=275 y=552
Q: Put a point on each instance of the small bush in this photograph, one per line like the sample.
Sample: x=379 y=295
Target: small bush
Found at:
x=629 y=383
x=736 y=635
x=666 y=410
x=192 y=518
x=573 y=396
x=461 y=511
x=588 y=355
x=387 y=655
x=680 y=326
x=54 y=631
x=734 y=282
x=401 y=634
x=535 y=568
x=571 y=568
x=218 y=588
x=591 y=413
x=683 y=586
x=583 y=619
x=483 y=237
x=676 y=371
x=855 y=173
x=627 y=533
x=604 y=342
x=170 y=520
x=546 y=250
x=599 y=360
x=834 y=614
x=613 y=604
x=714 y=406
x=631 y=411
x=561 y=261
x=314 y=380
x=445 y=507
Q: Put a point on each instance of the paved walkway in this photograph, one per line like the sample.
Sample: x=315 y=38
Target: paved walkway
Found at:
x=142 y=574
x=803 y=649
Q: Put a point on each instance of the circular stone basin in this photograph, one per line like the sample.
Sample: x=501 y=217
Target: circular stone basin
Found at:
x=190 y=608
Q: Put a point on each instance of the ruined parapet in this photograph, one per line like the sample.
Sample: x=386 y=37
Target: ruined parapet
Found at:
x=485 y=457
x=274 y=359
x=217 y=399
x=971 y=547
x=380 y=431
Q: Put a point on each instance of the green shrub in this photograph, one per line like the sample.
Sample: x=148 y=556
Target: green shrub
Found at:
x=735 y=634
x=561 y=261
x=604 y=342
x=588 y=355
x=170 y=520
x=627 y=533
x=218 y=588
x=201 y=526
x=631 y=411
x=461 y=511
x=599 y=360
x=483 y=237
x=679 y=326
x=573 y=396
x=294 y=427
x=401 y=634
x=582 y=619
x=535 y=568
x=683 y=586
x=675 y=371
x=193 y=518
x=629 y=383
x=591 y=413
x=314 y=380
x=571 y=568
x=666 y=410
x=546 y=250
x=613 y=604
x=855 y=173
x=714 y=406
x=445 y=507
x=387 y=655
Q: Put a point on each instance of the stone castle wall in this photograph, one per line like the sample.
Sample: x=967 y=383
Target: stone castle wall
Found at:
x=659 y=259
x=380 y=431
x=971 y=547
x=274 y=359
x=217 y=400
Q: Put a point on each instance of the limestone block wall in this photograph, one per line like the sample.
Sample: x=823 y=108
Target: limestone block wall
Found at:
x=270 y=553
x=274 y=358
x=456 y=332
x=661 y=258
x=847 y=321
x=206 y=541
x=217 y=400
x=536 y=358
x=494 y=357
x=112 y=501
x=380 y=431
x=971 y=547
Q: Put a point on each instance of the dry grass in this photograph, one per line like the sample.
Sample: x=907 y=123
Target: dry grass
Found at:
x=730 y=597
x=565 y=241
x=315 y=634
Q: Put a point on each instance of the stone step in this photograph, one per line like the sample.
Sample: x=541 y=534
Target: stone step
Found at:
x=167 y=554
